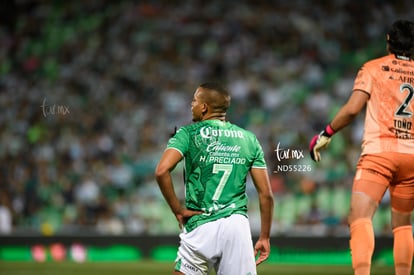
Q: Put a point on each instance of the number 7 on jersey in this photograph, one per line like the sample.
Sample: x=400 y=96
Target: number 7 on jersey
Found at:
x=226 y=169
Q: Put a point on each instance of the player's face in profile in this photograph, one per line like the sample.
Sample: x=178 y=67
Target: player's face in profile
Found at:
x=197 y=106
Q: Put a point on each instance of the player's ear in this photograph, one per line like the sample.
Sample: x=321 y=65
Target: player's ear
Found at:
x=204 y=108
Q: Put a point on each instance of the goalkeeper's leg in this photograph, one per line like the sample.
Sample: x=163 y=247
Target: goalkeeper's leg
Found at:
x=370 y=183
x=403 y=249
x=362 y=240
x=362 y=245
x=402 y=230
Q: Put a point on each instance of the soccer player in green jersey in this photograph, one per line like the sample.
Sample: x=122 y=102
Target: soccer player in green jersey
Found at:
x=218 y=157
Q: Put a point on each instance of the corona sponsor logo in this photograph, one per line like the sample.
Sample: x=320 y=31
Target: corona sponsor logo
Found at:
x=208 y=132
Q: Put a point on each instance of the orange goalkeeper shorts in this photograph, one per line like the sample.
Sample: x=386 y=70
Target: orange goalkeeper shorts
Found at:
x=377 y=172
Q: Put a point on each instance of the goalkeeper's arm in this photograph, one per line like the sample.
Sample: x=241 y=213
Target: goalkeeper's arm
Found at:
x=345 y=116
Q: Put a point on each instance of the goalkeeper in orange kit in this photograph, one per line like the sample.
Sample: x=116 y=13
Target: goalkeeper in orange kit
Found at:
x=385 y=86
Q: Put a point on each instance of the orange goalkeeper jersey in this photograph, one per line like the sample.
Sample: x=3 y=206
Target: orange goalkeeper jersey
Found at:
x=389 y=120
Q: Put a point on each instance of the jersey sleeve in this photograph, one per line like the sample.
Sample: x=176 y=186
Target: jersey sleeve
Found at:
x=259 y=160
x=363 y=80
x=179 y=141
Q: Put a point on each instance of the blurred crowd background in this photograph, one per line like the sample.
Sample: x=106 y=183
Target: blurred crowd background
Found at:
x=90 y=92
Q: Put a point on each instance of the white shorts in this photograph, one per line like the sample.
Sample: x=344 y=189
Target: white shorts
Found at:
x=225 y=244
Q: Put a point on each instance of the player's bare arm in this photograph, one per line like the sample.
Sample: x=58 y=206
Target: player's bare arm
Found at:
x=345 y=116
x=261 y=181
x=350 y=110
x=167 y=163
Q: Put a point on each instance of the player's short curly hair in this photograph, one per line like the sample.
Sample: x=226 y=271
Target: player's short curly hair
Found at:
x=401 y=38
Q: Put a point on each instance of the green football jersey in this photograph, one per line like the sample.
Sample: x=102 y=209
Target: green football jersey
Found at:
x=218 y=157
